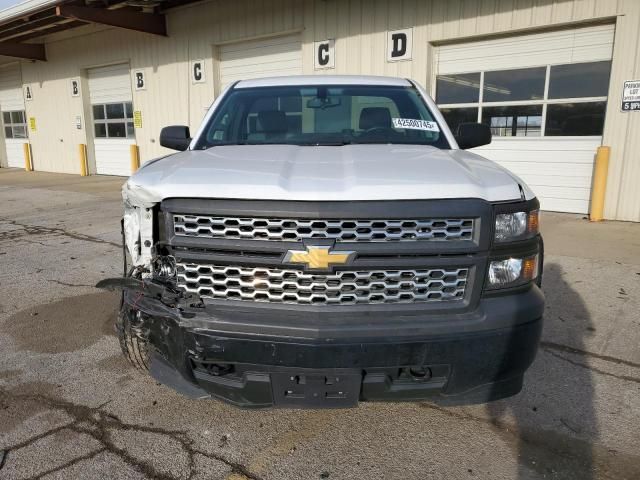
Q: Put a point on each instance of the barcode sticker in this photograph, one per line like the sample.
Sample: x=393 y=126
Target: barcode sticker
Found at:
x=415 y=124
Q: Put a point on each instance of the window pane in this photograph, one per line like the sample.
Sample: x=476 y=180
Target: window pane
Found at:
x=8 y=133
x=98 y=112
x=19 y=132
x=463 y=88
x=115 y=111
x=17 y=117
x=100 y=130
x=456 y=116
x=512 y=85
x=515 y=121
x=6 y=117
x=117 y=130
x=579 y=80
x=129 y=109
x=575 y=119
x=130 y=130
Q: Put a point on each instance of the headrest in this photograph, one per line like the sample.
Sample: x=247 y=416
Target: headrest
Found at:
x=375 y=117
x=272 y=121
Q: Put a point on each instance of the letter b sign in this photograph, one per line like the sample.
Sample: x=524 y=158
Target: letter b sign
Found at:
x=399 y=45
x=139 y=80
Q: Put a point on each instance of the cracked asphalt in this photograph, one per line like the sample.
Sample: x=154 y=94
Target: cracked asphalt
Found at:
x=71 y=407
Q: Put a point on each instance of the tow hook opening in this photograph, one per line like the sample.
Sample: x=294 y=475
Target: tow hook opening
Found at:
x=213 y=369
x=419 y=373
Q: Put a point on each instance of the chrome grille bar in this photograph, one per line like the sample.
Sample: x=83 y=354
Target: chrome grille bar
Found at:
x=206 y=226
x=338 y=288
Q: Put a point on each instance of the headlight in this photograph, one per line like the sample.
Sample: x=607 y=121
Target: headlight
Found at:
x=516 y=226
x=511 y=272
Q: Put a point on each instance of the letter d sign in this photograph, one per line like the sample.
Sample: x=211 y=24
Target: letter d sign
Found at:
x=399 y=45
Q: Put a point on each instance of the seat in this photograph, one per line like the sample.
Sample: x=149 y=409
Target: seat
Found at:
x=375 y=117
x=273 y=123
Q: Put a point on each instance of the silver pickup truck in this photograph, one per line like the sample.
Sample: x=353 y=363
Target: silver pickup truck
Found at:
x=325 y=240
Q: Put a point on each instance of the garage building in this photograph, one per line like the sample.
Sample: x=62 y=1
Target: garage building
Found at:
x=548 y=76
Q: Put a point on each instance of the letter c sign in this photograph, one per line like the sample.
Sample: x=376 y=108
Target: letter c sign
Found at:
x=324 y=54
x=197 y=71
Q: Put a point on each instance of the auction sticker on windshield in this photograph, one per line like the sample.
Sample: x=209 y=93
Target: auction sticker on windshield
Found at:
x=415 y=124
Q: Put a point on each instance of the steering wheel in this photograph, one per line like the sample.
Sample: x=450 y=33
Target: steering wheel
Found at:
x=372 y=130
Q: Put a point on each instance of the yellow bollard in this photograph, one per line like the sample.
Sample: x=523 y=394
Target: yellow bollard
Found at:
x=135 y=158
x=599 y=184
x=82 y=153
x=28 y=161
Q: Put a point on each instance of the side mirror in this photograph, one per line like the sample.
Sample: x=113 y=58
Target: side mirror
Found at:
x=176 y=137
x=471 y=135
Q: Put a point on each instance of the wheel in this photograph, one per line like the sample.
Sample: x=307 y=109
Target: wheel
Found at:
x=134 y=347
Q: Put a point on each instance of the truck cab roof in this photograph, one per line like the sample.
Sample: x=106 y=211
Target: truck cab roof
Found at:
x=317 y=80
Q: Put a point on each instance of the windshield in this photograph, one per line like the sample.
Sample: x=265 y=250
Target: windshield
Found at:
x=322 y=115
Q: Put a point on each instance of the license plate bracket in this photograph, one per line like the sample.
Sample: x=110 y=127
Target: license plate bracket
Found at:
x=316 y=389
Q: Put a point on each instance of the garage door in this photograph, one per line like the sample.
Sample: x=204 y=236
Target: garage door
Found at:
x=544 y=97
x=272 y=57
x=112 y=107
x=14 y=119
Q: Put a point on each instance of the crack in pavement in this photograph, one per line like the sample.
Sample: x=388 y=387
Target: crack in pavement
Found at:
x=565 y=348
x=625 y=378
x=70 y=284
x=70 y=463
x=99 y=424
x=42 y=230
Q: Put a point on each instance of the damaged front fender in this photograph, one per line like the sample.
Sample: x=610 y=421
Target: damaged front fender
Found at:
x=138 y=224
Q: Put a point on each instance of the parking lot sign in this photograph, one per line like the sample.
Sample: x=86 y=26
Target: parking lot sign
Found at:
x=631 y=96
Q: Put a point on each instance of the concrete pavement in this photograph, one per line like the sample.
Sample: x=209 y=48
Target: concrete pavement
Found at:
x=71 y=407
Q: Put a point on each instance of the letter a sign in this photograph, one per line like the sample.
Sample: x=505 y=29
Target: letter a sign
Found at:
x=399 y=45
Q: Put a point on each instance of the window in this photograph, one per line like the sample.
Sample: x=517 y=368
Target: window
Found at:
x=554 y=100
x=513 y=85
x=113 y=120
x=568 y=81
x=573 y=119
x=15 y=124
x=331 y=115
x=456 y=116
x=463 y=88
x=516 y=121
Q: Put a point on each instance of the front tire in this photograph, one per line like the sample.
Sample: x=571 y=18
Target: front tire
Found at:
x=134 y=347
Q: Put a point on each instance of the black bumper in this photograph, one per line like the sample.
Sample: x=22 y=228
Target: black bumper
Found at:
x=268 y=361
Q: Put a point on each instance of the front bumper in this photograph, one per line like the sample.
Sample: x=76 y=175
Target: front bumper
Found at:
x=254 y=357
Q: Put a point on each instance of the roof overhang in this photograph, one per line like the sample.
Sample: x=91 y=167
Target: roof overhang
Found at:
x=22 y=25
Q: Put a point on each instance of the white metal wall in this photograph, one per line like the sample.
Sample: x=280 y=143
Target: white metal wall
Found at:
x=575 y=45
x=359 y=28
x=267 y=57
x=110 y=84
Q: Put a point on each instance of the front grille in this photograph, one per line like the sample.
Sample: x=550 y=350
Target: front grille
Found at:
x=338 y=288
x=206 y=226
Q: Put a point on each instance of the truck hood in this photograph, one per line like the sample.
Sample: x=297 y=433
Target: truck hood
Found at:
x=343 y=173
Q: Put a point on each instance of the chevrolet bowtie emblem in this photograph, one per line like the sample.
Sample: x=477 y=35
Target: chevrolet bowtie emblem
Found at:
x=318 y=258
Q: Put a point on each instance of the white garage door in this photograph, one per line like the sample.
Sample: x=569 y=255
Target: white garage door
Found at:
x=272 y=57
x=112 y=107
x=14 y=120
x=544 y=97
